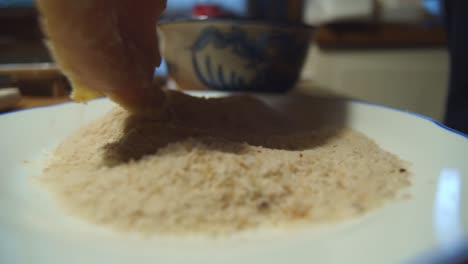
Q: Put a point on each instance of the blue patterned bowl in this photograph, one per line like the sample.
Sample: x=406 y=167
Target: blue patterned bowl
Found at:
x=234 y=55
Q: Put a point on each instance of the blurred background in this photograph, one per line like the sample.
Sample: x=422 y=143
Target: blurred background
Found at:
x=391 y=52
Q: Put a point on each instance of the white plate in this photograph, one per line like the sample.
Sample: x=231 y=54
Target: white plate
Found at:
x=34 y=230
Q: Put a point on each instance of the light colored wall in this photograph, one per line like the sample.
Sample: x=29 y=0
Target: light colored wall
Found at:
x=409 y=79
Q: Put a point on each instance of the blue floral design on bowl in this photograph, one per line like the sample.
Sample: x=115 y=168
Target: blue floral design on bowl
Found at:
x=235 y=60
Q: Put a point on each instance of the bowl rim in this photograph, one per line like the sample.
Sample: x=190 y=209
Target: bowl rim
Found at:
x=285 y=24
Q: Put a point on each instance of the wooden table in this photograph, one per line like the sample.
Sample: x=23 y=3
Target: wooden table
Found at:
x=303 y=87
x=28 y=101
x=38 y=101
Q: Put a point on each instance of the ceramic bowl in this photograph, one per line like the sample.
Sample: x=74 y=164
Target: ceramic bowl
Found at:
x=234 y=54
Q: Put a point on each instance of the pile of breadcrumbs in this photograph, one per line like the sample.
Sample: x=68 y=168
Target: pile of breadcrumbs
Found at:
x=217 y=166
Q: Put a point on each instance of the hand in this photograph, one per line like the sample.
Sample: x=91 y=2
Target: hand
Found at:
x=106 y=47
